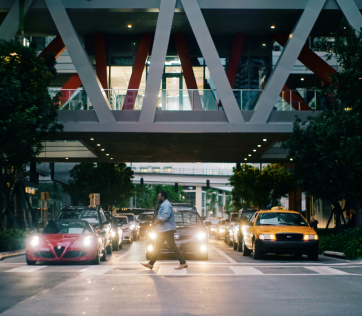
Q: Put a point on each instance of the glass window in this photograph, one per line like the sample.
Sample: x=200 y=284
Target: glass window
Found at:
x=122 y=220
x=145 y=217
x=187 y=218
x=144 y=169
x=156 y=169
x=279 y=218
x=67 y=227
x=167 y=169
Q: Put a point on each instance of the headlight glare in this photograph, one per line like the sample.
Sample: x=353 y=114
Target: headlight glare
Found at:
x=132 y=227
x=152 y=235
x=310 y=237
x=150 y=248
x=221 y=230
x=267 y=236
x=88 y=240
x=201 y=235
x=212 y=229
x=113 y=233
x=34 y=241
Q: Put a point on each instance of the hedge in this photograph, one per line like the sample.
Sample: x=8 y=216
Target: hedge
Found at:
x=12 y=239
x=349 y=242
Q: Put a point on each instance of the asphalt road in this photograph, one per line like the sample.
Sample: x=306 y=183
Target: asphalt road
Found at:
x=226 y=284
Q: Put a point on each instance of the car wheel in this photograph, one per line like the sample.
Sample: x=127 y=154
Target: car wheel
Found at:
x=235 y=245
x=245 y=250
x=131 y=241
x=230 y=243
x=104 y=257
x=298 y=256
x=120 y=245
x=313 y=256
x=226 y=239
x=30 y=262
x=97 y=259
x=256 y=252
x=240 y=245
x=109 y=249
x=115 y=246
x=148 y=255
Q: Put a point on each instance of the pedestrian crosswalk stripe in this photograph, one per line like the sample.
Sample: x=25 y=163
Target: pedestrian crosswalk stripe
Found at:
x=26 y=269
x=170 y=270
x=245 y=270
x=326 y=270
x=97 y=270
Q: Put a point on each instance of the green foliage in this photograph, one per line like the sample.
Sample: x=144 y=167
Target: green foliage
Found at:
x=111 y=181
x=12 y=239
x=349 y=242
x=213 y=203
x=147 y=195
x=259 y=188
x=327 y=150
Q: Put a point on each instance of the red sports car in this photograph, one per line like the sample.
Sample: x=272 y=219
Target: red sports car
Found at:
x=66 y=240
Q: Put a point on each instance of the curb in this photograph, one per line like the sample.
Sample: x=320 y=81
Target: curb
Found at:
x=11 y=253
x=334 y=254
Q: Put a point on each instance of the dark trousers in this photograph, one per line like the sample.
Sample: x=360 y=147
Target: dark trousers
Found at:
x=169 y=238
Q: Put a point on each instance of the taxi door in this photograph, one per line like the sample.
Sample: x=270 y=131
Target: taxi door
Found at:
x=249 y=232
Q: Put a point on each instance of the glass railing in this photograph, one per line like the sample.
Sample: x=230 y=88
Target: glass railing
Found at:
x=214 y=172
x=185 y=99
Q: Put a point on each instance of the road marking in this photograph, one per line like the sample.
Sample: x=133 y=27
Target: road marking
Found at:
x=97 y=270
x=326 y=270
x=26 y=269
x=245 y=270
x=231 y=260
x=123 y=255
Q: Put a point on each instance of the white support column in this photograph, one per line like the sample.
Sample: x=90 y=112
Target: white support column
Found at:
x=158 y=57
x=286 y=61
x=81 y=61
x=10 y=25
x=209 y=52
x=199 y=200
x=351 y=12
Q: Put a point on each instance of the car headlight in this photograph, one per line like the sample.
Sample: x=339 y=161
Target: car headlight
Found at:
x=267 y=236
x=310 y=237
x=152 y=235
x=221 y=230
x=212 y=229
x=201 y=236
x=150 y=248
x=203 y=248
x=132 y=227
x=34 y=241
x=113 y=233
x=243 y=228
x=87 y=240
x=236 y=228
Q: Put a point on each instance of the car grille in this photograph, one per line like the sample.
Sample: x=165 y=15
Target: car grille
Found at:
x=286 y=236
x=59 y=252
x=44 y=254
x=75 y=254
x=184 y=237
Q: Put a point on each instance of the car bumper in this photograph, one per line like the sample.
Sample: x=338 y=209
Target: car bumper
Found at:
x=69 y=255
x=287 y=247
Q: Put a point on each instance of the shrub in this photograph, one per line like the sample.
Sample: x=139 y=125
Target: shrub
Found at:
x=349 y=242
x=12 y=239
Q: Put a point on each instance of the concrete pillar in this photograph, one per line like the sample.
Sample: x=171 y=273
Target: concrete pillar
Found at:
x=199 y=200
x=131 y=202
x=223 y=203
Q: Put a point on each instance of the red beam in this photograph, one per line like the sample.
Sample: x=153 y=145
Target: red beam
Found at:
x=234 y=59
x=311 y=60
x=138 y=67
x=73 y=82
x=56 y=46
x=101 y=59
x=294 y=100
x=187 y=70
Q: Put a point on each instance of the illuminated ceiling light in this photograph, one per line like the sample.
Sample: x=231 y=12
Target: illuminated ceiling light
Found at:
x=272 y=27
x=111 y=158
x=291 y=159
x=245 y=158
x=92 y=139
x=302 y=79
x=259 y=145
x=107 y=154
x=264 y=140
x=98 y=145
x=102 y=149
x=254 y=150
x=67 y=158
x=249 y=155
x=264 y=44
x=13 y=54
x=129 y=26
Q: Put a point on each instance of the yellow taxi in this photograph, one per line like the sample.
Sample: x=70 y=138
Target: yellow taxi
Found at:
x=279 y=231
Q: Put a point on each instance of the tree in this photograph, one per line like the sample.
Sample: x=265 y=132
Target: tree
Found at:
x=111 y=180
x=259 y=188
x=212 y=204
x=27 y=113
x=147 y=195
x=327 y=149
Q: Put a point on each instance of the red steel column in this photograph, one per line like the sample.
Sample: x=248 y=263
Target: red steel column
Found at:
x=294 y=100
x=69 y=88
x=138 y=67
x=56 y=46
x=187 y=71
x=101 y=59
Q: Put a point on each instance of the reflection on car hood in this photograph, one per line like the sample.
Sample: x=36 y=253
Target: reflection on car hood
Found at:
x=64 y=240
x=186 y=230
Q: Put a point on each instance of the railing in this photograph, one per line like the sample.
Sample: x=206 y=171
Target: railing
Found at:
x=214 y=172
x=185 y=99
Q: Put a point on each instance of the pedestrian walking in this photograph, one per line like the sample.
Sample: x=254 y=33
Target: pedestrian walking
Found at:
x=314 y=223
x=166 y=227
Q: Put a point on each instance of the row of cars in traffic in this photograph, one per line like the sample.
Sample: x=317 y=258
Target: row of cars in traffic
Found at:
x=82 y=233
x=258 y=232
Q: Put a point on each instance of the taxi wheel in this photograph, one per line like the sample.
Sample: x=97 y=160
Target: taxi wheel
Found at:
x=235 y=245
x=120 y=245
x=313 y=256
x=245 y=250
x=97 y=259
x=230 y=243
x=240 y=247
x=30 y=262
x=115 y=246
x=226 y=239
x=256 y=252
x=104 y=257
x=298 y=256
x=109 y=249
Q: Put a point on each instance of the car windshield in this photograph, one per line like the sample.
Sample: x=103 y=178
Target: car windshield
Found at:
x=90 y=215
x=234 y=217
x=67 y=227
x=145 y=217
x=247 y=215
x=280 y=218
x=130 y=218
x=186 y=218
x=122 y=220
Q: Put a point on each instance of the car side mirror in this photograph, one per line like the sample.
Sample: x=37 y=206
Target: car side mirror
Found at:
x=102 y=232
